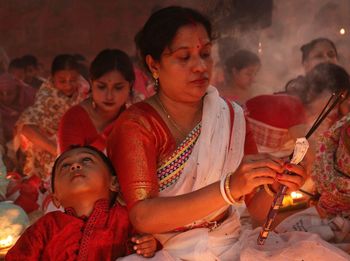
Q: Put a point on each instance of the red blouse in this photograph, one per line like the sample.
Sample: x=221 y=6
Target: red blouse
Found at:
x=76 y=128
x=63 y=236
x=139 y=141
x=278 y=110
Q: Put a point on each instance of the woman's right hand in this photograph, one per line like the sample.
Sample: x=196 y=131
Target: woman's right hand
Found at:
x=254 y=171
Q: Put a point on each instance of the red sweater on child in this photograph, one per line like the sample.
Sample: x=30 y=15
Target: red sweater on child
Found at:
x=63 y=236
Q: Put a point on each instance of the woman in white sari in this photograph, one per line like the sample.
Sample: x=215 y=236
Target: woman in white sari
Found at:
x=180 y=155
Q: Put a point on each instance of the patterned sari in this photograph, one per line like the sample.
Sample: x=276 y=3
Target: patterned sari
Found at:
x=50 y=104
x=331 y=171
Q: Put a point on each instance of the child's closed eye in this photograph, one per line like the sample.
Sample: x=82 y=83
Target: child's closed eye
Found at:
x=87 y=159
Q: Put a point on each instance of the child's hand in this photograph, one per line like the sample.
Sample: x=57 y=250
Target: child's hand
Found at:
x=145 y=245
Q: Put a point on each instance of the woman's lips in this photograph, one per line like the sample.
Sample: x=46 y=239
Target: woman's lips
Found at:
x=200 y=81
x=109 y=103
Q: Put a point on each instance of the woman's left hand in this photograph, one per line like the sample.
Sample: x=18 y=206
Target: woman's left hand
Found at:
x=293 y=177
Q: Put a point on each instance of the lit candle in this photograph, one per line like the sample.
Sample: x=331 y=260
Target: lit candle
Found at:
x=296 y=196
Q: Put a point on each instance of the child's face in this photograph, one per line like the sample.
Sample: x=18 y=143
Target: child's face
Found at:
x=82 y=172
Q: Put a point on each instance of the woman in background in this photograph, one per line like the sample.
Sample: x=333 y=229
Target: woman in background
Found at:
x=241 y=69
x=89 y=123
x=319 y=50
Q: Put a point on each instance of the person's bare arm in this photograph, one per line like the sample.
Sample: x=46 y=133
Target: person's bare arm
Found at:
x=163 y=214
x=33 y=133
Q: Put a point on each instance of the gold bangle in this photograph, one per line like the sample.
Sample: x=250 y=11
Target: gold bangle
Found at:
x=228 y=191
x=269 y=191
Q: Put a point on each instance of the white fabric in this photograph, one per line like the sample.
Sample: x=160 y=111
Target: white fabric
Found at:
x=210 y=159
x=335 y=229
x=289 y=246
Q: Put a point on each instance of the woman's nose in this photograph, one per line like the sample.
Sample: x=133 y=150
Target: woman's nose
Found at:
x=75 y=166
x=109 y=95
x=200 y=65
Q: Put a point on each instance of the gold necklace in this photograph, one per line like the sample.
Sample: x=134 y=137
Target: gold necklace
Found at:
x=171 y=120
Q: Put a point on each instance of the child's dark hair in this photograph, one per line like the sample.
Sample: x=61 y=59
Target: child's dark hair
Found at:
x=17 y=63
x=64 y=62
x=102 y=156
x=30 y=60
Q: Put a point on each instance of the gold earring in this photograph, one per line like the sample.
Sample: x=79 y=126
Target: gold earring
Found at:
x=156 y=81
x=93 y=104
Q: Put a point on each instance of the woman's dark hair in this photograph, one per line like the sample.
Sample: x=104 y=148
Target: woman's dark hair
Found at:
x=109 y=60
x=308 y=47
x=161 y=28
x=102 y=156
x=239 y=60
x=326 y=76
x=64 y=62
x=297 y=87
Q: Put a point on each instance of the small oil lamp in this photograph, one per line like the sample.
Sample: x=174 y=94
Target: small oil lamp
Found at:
x=13 y=221
x=293 y=199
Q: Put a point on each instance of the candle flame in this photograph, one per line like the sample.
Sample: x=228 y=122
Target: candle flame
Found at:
x=296 y=195
x=342 y=31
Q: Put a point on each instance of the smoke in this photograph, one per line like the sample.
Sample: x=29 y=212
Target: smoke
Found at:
x=293 y=23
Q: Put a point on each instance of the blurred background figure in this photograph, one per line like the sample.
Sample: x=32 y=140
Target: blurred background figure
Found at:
x=15 y=97
x=319 y=50
x=31 y=69
x=241 y=69
x=17 y=69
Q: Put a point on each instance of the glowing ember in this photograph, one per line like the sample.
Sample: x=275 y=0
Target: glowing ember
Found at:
x=342 y=31
x=6 y=242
